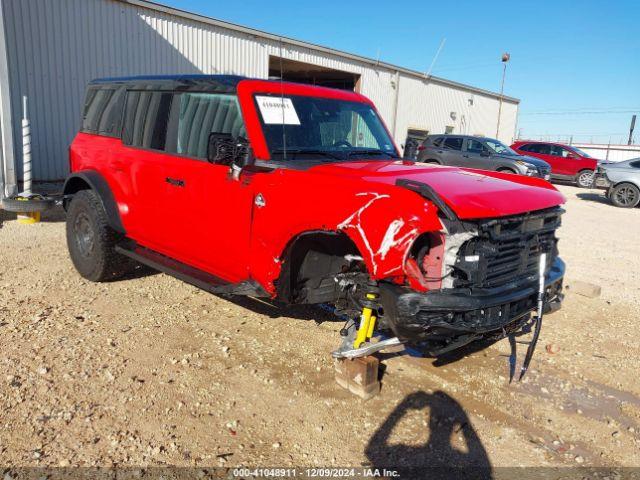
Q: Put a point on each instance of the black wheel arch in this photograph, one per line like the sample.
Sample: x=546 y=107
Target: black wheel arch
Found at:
x=92 y=180
x=296 y=254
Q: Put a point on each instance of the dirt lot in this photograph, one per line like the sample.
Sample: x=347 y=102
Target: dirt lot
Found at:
x=151 y=371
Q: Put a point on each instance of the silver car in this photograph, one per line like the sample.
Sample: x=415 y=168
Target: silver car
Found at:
x=622 y=181
x=479 y=152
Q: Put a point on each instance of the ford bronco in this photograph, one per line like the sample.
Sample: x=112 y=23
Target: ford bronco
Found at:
x=298 y=194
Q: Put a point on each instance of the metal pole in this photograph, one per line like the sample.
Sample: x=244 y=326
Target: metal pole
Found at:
x=395 y=106
x=26 y=148
x=504 y=72
x=631 y=129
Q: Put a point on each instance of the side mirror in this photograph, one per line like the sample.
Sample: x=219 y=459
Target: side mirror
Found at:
x=485 y=153
x=573 y=156
x=223 y=149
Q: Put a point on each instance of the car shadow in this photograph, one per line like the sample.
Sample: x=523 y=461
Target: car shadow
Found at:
x=462 y=352
x=594 y=197
x=273 y=309
x=436 y=456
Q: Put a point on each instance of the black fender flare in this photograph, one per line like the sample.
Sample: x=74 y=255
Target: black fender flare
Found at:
x=80 y=180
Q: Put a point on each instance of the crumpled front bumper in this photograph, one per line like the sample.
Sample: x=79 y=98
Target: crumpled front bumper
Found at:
x=443 y=316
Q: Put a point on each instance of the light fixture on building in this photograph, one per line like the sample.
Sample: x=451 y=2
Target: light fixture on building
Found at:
x=453 y=116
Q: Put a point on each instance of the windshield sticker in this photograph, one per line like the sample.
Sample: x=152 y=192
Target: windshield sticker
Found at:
x=277 y=111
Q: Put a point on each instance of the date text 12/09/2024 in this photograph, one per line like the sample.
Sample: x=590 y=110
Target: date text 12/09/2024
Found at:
x=315 y=473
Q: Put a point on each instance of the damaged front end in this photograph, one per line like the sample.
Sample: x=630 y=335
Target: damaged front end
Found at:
x=475 y=280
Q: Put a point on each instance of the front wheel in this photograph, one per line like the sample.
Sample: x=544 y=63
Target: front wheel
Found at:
x=507 y=170
x=625 y=195
x=585 y=178
x=91 y=241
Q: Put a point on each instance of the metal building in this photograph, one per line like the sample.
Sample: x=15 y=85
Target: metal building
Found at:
x=50 y=49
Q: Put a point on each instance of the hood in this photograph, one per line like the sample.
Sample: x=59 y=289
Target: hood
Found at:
x=469 y=193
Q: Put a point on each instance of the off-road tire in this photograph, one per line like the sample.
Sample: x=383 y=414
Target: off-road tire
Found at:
x=625 y=195
x=585 y=178
x=91 y=241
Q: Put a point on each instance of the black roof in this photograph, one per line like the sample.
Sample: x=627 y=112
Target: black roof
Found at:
x=217 y=83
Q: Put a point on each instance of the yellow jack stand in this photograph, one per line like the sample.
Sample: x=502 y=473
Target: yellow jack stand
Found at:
x=367 y=322
x=28 y=218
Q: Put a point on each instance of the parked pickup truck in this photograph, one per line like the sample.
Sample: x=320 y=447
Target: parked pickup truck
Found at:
x=298 y=194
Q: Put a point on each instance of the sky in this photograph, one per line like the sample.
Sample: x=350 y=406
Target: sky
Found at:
x=575 y=65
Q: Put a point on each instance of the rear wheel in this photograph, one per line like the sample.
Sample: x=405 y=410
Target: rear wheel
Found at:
x=91 y=241
x=625 y=195
x=585 y=178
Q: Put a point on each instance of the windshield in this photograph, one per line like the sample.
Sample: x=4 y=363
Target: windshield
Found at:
x=580 y=152
x=500 y=147
x=299 y=127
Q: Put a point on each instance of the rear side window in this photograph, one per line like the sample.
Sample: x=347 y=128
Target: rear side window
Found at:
x=542 y=148
x=146 y=119
x=635 y=164
x=202 y=114
x=453 y=143
x=103 y=111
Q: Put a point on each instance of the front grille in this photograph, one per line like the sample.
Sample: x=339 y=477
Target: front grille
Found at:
x=507 y=250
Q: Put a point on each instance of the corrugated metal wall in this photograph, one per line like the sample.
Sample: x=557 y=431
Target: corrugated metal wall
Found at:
x=56 y=46
x=432 y=106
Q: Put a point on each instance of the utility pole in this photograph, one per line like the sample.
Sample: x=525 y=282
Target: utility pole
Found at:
x=631 y=129
x=505 y=59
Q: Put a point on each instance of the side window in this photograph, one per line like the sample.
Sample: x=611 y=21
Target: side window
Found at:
x=453 y=143
x=474 y=146
x=528 y=148
x=437 y=142
x=635 y=164
x=146 y=119
x=202 y=114
x=557 y=151
x=103 y=111
x=542 y=148
x=565 y=152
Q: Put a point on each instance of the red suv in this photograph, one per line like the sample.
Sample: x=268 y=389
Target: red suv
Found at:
x=567 y=162
x=298 y=194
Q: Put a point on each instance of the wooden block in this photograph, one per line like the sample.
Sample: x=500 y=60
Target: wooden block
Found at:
x=358 y=375
x=585 y=289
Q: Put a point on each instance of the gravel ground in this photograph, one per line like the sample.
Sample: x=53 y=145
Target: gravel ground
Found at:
x=151 y=371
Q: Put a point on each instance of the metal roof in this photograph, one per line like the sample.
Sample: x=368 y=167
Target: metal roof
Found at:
x=298 y=43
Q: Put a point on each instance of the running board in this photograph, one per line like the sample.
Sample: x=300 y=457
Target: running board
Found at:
x=186 y=273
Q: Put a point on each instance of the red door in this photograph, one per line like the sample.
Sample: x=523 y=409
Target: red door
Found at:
x=563 y=165
x=207 y=213
x=207 y=217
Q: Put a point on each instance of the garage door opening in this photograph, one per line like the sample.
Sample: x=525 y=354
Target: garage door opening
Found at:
x=300 y=72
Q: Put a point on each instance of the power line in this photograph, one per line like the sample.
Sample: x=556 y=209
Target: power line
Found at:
x=582 y=112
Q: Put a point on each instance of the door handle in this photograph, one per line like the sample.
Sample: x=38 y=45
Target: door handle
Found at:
x=176 y=182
